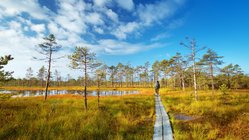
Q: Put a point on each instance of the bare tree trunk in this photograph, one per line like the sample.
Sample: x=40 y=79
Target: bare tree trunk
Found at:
x=164 y=82
x=41 y=83
x=132 y=81
x=98 y=82
x=85 y=84
x=98 y=92
x=98 y=98
x=183 y=82
x=29 y=82
x=228 y=82
x=48 y=77
x=212 y=76
x=174 y=81
x=112 y=81
x=194 y=70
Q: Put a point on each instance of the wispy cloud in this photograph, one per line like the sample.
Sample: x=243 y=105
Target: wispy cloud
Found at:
x=151 y=13
x=123 y=30
x=114 y=47
x=160 y=37
x=126 y=4
x=13 y=8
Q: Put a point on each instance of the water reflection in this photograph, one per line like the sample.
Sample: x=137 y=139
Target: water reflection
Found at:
x=183 y=117
x=28 y=93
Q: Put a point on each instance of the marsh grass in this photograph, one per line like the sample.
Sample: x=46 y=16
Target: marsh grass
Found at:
x=218 y=116
x=64 y=117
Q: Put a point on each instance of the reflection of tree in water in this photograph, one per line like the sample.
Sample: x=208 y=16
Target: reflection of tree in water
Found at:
x=29 y=93
x=39 y=92
x=33 y=92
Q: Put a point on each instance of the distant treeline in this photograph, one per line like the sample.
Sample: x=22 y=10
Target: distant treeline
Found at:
x=170 y=73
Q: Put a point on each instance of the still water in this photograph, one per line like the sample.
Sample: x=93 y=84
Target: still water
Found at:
x=29 y=93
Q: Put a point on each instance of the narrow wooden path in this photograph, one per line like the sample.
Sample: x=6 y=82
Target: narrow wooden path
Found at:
x=162 y=127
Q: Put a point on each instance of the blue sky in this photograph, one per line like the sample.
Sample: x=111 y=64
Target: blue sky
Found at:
x=133 y=31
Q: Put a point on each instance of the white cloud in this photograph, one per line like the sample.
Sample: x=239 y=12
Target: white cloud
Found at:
x=71 y=15
x=126 y=4
x=15 y=25
x=114 y=47
x=160 y=37
x=101 y=3
x=16 y=7
x=94 y=18
x=99 y=30
x=71 y=25
x=122 y=31
x=53 y=28
x=150 y=13
x=39 y=28
x=59 y=32
x=112 y=15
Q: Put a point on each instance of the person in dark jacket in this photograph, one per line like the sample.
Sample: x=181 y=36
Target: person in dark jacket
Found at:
x=157 y=87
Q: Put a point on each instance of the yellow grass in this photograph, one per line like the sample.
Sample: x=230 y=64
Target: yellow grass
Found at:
x=215 y=116
x=64 y=117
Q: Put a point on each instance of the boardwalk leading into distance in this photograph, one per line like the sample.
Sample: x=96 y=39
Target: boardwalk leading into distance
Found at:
x=162 y=127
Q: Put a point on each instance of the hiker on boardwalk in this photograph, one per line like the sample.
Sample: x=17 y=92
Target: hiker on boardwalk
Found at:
x=157 y=87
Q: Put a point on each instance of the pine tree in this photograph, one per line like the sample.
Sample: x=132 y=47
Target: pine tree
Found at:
x=41 y=75
x=229 y=71
x=156 y=70
x=47 y=48
x=192 y=46
x=83 y=59
x=29 y=76
x=164 y=68
x=211 y=59
x=112 y=70
x=180 y=66
x=5 y=76
x=120 y=73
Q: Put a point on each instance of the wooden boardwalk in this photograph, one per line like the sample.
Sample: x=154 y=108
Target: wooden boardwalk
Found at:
x=162 y=127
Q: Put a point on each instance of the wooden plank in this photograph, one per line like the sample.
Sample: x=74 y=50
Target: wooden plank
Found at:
x=162 y=127
x=167 y=130
x=158 y=132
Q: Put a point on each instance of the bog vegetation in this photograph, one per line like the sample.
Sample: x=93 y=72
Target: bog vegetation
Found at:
x=220 y=116
x=63 y=117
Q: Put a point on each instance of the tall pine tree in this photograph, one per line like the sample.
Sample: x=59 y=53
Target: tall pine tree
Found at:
x=83 y=59
x=47 y=48
x=211 y=59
